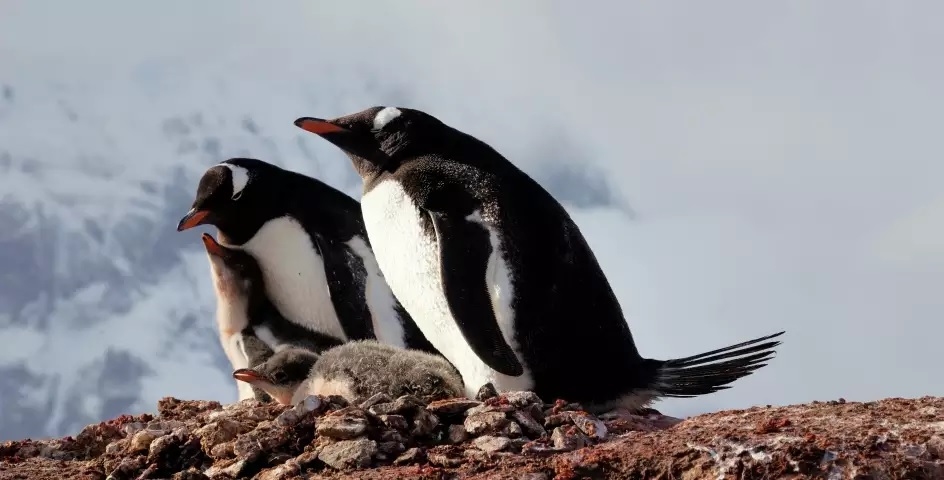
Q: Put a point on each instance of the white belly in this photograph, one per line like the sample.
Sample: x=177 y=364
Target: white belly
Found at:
x=379 y=297
x=410 y=262
x=294 y=275
x=239 y=360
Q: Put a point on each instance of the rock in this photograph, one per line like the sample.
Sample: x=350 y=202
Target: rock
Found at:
x=390 y=448
x=344 y=424
x=522 y=399
x=223 y=450
x=457 y=434
x=114 y=448
x=261 y=440
x=489 y=407
x=568 y=438
x=528 y=424
x=589 y=425
x=892 y=438
x=452 y=406
x=281 y=472
x=485 y=392
x=512 y=430
x=406 y=403
x=424 y=423
x=556 y=420
x=485 y=422
x=395 y=421
x=375 y=399
x=442 y=460
x=491 y=444
x=220 y=431
x=141 y=441
x=349 y=454
x=413 y=455
x=190 y=474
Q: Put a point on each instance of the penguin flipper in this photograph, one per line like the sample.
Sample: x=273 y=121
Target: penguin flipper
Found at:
x=341 y=274
x=464 y=250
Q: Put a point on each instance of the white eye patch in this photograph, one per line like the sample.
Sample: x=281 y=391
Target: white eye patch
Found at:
x=385 y=116
x=240 y=178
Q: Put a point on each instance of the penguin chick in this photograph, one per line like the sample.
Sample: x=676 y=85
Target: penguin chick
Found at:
x=356 y=371
x=250 y=328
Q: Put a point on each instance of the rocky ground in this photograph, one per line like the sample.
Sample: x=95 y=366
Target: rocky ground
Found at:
x=514 y=435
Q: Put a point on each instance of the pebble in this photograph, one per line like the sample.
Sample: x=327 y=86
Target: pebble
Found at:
x=522 y=399
x=141 y=441
x=589 y=424
x=190 y=474
x=568 y=438
x=349 y=454
x=441 y=460
x=457 y=434
x=530 y=426
x=281 y=472
x=484 y=422
x=395 y=421
x=485 y=392
x=935 y=447
x=424 y=423
x=491 y=444
x=344 y=424
x=413 y=455
x=452 y=406
x=512 y=430
x=484 y=408
x=375 y=399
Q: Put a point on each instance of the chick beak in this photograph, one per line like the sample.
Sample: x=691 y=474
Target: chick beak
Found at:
x=212 y=246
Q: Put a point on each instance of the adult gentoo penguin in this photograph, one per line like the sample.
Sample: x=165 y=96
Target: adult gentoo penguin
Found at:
x=309 y=241
x=498 y=276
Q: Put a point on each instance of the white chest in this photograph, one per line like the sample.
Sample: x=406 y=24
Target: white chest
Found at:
x=379 y=297
x=294 y=275
x=410 y=262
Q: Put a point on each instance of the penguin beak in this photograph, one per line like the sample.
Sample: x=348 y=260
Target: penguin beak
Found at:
x=249 y=376
x=212 y=246
x=353 y=142
x=193 y=218
x=319 y=126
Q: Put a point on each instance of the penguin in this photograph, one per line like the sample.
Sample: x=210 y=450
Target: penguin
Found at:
x=309 y=242
x=250 y=328
x=498 y=276
x=355 y=371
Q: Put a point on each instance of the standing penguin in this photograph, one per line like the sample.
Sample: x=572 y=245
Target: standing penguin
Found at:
x=309 y=241
x=498 y=276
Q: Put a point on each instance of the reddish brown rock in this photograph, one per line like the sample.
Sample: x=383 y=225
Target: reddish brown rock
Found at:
x=890 y=439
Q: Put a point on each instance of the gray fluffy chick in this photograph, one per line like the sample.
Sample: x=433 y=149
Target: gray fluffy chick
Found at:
x=356 y=371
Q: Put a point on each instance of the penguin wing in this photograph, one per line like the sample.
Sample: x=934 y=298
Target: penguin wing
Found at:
x=464 y=250
x=343 y=272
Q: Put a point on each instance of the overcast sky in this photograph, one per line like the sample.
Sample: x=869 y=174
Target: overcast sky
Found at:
x=784 y=161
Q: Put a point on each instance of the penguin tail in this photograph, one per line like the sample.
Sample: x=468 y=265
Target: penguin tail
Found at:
x=712 y=371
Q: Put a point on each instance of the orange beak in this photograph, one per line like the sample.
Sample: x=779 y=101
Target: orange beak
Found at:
x=248 y=375
x=318 y=126
x=212 y=246
x=192 y=219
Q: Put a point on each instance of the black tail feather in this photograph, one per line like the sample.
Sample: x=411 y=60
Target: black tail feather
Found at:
x=705 y=373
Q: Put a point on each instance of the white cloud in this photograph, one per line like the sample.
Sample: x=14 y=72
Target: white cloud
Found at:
x=776 y=154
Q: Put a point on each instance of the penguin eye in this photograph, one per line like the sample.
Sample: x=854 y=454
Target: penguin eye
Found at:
x=278 y=376
x=238 y=195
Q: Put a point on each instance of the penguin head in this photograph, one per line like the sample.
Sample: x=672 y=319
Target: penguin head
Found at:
x=237 y=196
x=280 y=375
x=234 y=270
x=380 y=138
